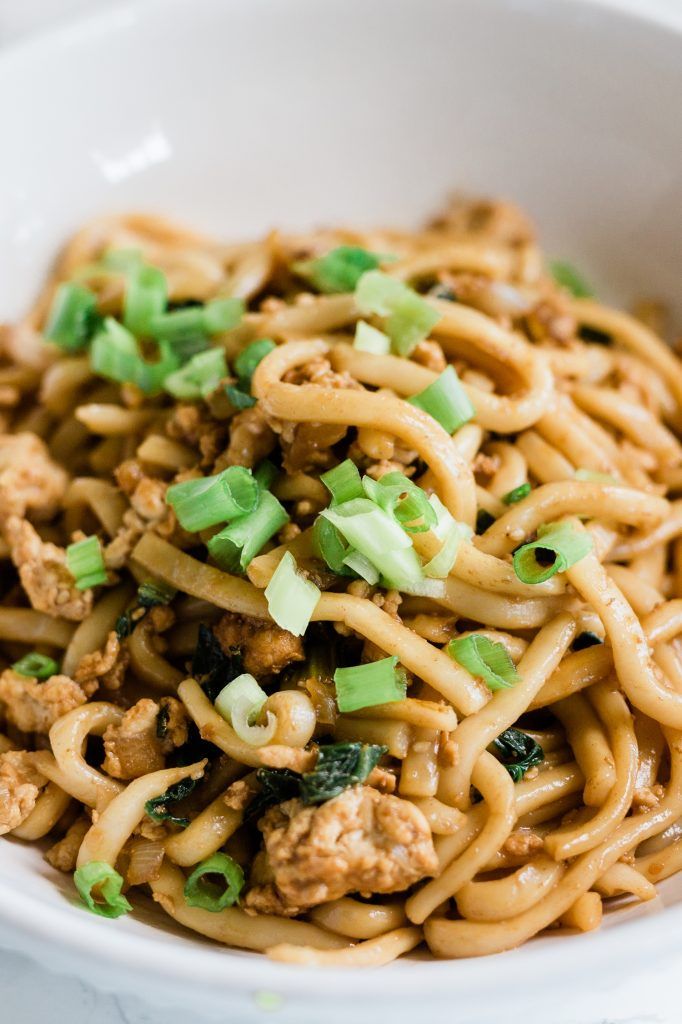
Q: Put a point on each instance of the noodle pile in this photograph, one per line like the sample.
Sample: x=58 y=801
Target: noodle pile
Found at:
x=472 y=814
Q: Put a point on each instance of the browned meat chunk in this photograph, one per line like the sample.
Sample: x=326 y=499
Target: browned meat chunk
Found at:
x=197 y=428
x=251 y=440
x=106 y=667
x=29 y=480
x=64 y=854
x=265 y=647
x=35 y=707
x=20 y=786
x=361 y=841
x=140 y=742
x=44 y=575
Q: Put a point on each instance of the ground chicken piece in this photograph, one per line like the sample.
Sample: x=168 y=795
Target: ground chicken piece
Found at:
x=20 y=786
x=265 y=647
x=251 y=440
x=239 y=795
x=552 y=320
x=431 y=355
x=20 y=344
x=149 y=499
x=64 y=854
x=134 y=747
x=29 y=479
x=361 y=841
x=522 y=843
x=189 y=423
x=486 y=465
x=105 y=668
x=492 y=219
x=35 y=707
x=278 y=755
x=44 y=575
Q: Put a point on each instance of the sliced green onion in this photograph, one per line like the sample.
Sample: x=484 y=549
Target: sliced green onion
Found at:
x=122 y=260
x=568 y=277
x=38 y=666
x=222 y=314
x=248 y=359
x=181 y=327
x=557 y=548
x=329 y=545
x=239 y=399
x=592 y=476
x=343 y=482
x=485 y=658
x=266 y=473
x=72 y=317
x=362 y=566
x=403 y=500
x=446 y=401
x=363 y=686
x=339 y=270
x=146 y=296
x=517 y=494
x=99 y=875
x=410 y=318
x=213 y=499
x=240 y=703
x=370 y=339
x=451 y=533
x=234 y=547
x=291 y=597
x=199 y=377
x=85 y=562
x=201 y=892
x=115 y=355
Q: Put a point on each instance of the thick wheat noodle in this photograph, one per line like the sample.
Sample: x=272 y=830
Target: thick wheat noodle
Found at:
x=233 y=594
x=419 y=771
x=105 y=500
x=371 y=953
x=67 y=766
x=92 y=633
x=424 y=714
x=113 y=420
x=477 y=731
x=573 y=839
x=148 y=664
x=307 y=403
x=641 y=542
x=634 y=421
x=109 y=833
x=497 y=263
x=572 y=497
x=34 y=628
x=358 y=920
x=490 y=900
x=543 y=460
x=50 y=806
x=512 y=471
x=587 y=739
x=166 y=453
x=502 y=611
x=62 y=381
x=664 y=622
x=205 y=834
x=642 y=597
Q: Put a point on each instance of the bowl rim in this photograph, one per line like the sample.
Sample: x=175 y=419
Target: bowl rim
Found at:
x=222 y=970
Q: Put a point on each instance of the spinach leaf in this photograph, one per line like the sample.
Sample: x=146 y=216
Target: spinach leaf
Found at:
x=162 y=721
x=339 y=766
x=149 y=595
x=518 y=752
x=276 y=786
x=211 y=667
x=157 y=807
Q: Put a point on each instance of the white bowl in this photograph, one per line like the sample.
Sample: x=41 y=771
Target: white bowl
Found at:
x=237 y=115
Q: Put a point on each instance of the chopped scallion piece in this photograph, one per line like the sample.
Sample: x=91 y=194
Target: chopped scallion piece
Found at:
x=403 y=500
x=517 y=494
x=115 y=355
x=100 y=876
x=446 y=401
x=234 y=547
x=557 y=548
x=377 y=535
x=343 y=482
x=122 y=260
x=85 y=562
x=240 y=703
x=72 y=318
x=362 y=566
x=38 y=666
x=410 y=318
x=239 y=399
x=199 y=377
x=363 y=686
x=291 y=597
x=330 y=546
x=201 y=891
x=339 y=270
x=145 y=297
x=451 y=533
x=485 y=658
x=568 y=277
x=248 y=359
x=370 y=339
x=213 y=499
x=222 y=314
x=265 y=473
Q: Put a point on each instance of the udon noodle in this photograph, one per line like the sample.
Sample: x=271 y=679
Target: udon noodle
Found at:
x=340 y=600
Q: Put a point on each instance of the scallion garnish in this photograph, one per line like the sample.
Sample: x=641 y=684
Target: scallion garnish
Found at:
x=240 y=703
x=446 y=401
x=363 y=686
x=115 y=355
x=517 y=494
x=370 y=339
x=146 y=295
x=72 y=318
x=329 y=545
x=557 y=548
x=403 y=500
x=201 y=891
x=100 y=876
x=85 y=562
x=248 y=359
x=291 y=597
x=234 y=547
x=213 y=499
x=239 y=399
x=485 y=658
x=568 y=277
x=121 y=260
x=199 y=377
x=339 y=270
x=362 y=566
x=222 y=315
x=38 y=666
x=451 y=533
x=409 y=317
x=343 y=482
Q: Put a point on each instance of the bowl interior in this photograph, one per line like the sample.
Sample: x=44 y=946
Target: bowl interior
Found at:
x=238 y=116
